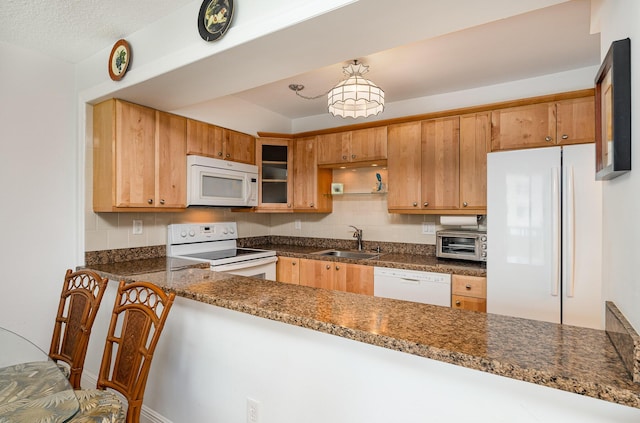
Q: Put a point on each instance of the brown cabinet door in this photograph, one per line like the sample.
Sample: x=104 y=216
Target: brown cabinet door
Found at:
x=359 y=279
x=440 y=163
x=204 y=139
x=334 y=148
x=576 y=121
x=317 y=273
x=135 y=155
x=239 y=147
x=523 y=127
x=304 y=174
x=475 y=136
x=288 y=270
x=404 y=166
x=369 y=144
x=171 y=163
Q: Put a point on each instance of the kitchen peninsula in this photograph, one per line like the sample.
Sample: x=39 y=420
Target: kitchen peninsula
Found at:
x=571 y=359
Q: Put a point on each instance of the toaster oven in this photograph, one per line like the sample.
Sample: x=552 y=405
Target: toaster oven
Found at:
x=462 y=245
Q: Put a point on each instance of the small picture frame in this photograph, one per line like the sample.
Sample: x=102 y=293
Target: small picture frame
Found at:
x=119 y=60
x=613 y=112
x=337 y=188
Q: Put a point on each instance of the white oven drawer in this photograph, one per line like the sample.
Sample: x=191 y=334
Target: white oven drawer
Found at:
x=263 y=268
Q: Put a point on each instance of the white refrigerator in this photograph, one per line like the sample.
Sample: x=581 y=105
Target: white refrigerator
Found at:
x=544 y=236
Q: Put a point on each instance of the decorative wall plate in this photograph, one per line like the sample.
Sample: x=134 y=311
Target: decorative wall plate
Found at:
x=119 y=60
x=214 y=18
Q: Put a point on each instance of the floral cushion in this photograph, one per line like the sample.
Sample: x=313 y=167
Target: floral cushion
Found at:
x=97 y=406
x=35 y=392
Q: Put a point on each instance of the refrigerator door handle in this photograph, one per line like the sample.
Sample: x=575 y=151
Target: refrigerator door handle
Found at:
x=555 y=222
x=571 y=233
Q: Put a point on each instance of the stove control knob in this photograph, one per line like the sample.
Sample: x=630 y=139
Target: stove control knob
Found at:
x=225 y=231
x=183 y=234
x=231 y=231
x=192 y=233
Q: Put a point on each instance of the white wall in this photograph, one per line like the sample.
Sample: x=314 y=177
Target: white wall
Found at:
x=618 y=19
x=39 y=174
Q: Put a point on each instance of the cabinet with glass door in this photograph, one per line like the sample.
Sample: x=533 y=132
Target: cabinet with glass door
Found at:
x=274 y=160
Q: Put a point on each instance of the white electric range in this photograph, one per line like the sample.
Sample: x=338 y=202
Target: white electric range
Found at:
x=216 y=244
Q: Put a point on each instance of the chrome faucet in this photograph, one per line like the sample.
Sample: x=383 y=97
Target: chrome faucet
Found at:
x=358 y=235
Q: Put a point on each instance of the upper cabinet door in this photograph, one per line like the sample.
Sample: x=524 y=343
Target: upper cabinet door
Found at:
x=334 y=148
x=523 y=127
x=576 y=121
x=204 y=139
x=404 y=165
x=475 y=139
x=171 y=166
x=369 y=144
x=135 y=151
x=440 y=163
x=239 y=147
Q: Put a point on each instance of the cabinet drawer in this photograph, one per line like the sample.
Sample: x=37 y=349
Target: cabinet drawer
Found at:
x=469 y=303
x=469 y=286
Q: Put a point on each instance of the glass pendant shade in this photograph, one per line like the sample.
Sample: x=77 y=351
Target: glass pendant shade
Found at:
x=355 y=96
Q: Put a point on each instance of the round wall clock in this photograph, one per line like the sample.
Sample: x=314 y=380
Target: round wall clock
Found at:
x=214 y=18
x=119 y=60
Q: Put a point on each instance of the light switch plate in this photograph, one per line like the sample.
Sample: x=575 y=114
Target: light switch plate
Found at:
x=137 y=227
x=428 y=228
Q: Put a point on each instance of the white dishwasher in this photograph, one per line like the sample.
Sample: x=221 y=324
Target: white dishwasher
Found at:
x=412 y=285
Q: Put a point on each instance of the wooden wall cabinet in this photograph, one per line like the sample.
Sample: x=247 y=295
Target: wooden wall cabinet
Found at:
x=274 y=157
x=439 y=165
x=353 y=148
x=469 y=292
x=543 y=124
x=139 y=158
x=312 y=185
x=288 y=270
x=475 y=143
x=205 y=139
x=355 y=278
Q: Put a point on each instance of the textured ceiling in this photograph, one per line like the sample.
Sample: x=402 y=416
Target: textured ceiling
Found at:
x=74 y=30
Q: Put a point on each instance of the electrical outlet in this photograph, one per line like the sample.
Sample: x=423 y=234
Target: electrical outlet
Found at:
x=253 y=411
x=428 y=228
x=137 y=227
x=297 y=224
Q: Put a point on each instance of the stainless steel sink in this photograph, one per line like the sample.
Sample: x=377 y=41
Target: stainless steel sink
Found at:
x=347 y=254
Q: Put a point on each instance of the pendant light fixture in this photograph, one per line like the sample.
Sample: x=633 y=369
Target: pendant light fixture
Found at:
x=353 y=97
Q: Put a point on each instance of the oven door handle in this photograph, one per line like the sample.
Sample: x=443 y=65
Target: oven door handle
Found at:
x=244 y=264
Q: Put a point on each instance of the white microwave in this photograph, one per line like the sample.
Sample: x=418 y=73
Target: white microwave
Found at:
x=222 y=183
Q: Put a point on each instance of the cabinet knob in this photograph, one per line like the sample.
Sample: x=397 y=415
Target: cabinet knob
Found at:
x=468 y=286
x=344 y=157
x=565 y=136
x=415 y=204
x=426 y=204
x=353 y=156
x=458 y=302
x=162 y=201
x=228 y=155
x=289 y=205
x=219 y=153
x=465 y=204
x=312 y=205
x=293 y=264
x=337 y=267
x=548 y=138
x=150 y=201
x=328 y=267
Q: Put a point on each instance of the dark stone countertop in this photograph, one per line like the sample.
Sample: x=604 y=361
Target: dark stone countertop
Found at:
x=573 y=359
